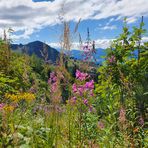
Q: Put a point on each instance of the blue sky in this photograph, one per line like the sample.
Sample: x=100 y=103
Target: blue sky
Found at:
x=39 y=19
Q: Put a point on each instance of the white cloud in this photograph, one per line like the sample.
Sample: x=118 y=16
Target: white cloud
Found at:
x=75 y=45
x=131 y=20
x=124 y=8
x=99 y=43
x=145 y=39
x=54 y=45
x=107 y=27
x=103 y=43
x=28 y=17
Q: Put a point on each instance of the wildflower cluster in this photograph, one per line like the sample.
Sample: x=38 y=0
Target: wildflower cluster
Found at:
x=86 y=87
x=81 y=76
x=82 y=90
x=20 y=96
x=6 y=108
x=53 y=82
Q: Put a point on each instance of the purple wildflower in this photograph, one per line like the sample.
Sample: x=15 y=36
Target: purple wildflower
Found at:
x=52 y=75
x=91 y=93
x=81 y=76
x=81 y=90
x=85 y=101
x=89 y=51
x=53 y=81
x=54 y=87
x=74 y=88
x=53 y=78
x=90 y=85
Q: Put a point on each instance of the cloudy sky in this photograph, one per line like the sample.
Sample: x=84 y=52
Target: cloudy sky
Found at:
x=41 y=19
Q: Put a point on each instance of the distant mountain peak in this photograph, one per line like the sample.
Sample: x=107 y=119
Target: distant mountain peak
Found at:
x=36 y=47
x=36 y=42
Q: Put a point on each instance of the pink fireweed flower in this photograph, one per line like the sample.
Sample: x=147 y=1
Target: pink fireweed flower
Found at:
x=52 y=75
x=85 y=101
x=54 y=79
x=54 y=87
x=81 y=90
x=49 y=81
x=89 y=51
x=89 y=85
x=74 y=88
x=81 y=76
x=91 y=93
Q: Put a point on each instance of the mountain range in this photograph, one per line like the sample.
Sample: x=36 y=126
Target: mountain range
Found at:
x=98 y=56
x=37 y=47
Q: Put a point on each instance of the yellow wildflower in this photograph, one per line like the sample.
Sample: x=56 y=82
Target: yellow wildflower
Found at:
x=20 y=96
x=8 y=108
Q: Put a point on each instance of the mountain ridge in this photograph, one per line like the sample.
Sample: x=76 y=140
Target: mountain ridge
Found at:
x=36 y=47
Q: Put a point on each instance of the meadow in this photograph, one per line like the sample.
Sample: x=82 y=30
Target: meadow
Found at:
x=73 y=104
